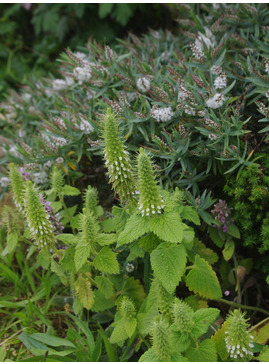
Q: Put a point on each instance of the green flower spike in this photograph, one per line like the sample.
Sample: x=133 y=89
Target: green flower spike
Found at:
x=18 y=187
x=89 y=230
x=150 y=200
x=183 y=316
x=91 y=201
x=238 y=341
x=161 y=340
x=117 y=160
x=57 y=180
x=127 y=308
x=40 y=226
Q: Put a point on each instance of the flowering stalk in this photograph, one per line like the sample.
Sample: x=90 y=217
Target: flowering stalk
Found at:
x=238 y=341
x=183 y=316
x=91 y=201
x=161 y=342
x=17 y=185
x=150 y=200
x=117 y=160
x=41 y=228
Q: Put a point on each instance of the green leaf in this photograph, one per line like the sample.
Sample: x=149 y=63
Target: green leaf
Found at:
x=219 y=341
x=2 y=353
x=189 y=213
x=109 y=349
x=105 y=286
x=56 y=205
x=84 y=291
x=101 y=303
x=43 y=259
x=106 y=239
x=12 y=241
x=199 y=248
x=119 y=334
x=130 y=326
x=149 y=356
x=68 y=239
x=228 y=250
x=51 y=340
x=167 y=227
x=123 y=13
x=106 y=261
x=136 y=251
x=203 y=280
x=149 y=242
x=203 y=318
x=215 y=236
x=168 y=262
x=264 y=355
x=180 y=341
x=120 y=218
x=56 y=268
x=82 y=253
x=203 y=353
x=104 y=10
x=135 y=227
x=133 y=289
x=233 y=230
x=70 y=191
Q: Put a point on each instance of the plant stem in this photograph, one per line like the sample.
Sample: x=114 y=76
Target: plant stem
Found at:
x=252 y=308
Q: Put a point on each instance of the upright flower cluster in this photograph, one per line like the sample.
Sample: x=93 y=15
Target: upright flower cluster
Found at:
x=89 y=229
x=221 y=81
x=143 y=84
x=162 y=114
x=38 y=219
x=117 y=160
x=222 y=213
x=91 y=201
x=183 y=316
x=216 y=101
x=150 y=200
x=17 y=185
x=238 y=341
x=82 y=74
x=161 y=341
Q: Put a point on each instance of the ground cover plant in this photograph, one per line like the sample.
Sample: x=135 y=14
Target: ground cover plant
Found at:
x=138 y=180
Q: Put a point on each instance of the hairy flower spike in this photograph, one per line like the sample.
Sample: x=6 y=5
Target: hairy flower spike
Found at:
x=57 y=180
x=127 y=308
x=41 y=228
x=183 y=316
x=17 y=185
x=89 y=230
x=150 y=200
x=238 y=341
x=91 y=201
x=161 y=340
x=117 y=160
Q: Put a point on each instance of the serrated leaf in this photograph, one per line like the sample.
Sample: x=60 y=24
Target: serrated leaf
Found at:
x=199 y=248
x=189 y=213
x=260 y=332
x=82 y=253
x=180 y=341
x=105 y=286
x=233 y=230
x=149 y=356
x=12 y=241
x=188 y=237
x=264 y=355
x=68 y=239
x=84 y=291
x=101 y=303
x=228 y=250
x=119 y=334
x=215 y=236
x=135 y=251
x=56 y=205
x=219 y=340
x=168 y=263
x=203 y=318
x=120 y=218
x=135 y=227
x=106 y=239
x=43 y=259
x=203 y=280
x=70 y=191
x=56 y=268
x=149 y=242
x=67 y=262
x=106 y=261
x=203 y=353
x=133 y=289
x=168 y=227
x=130 y=326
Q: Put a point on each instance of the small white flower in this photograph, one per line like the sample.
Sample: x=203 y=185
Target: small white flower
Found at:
x=163 y=114
x=4 y=182
x=143 y=84
x=82 y=74
x=216 y=70
x=216 y=101
x=212 y=136
x=182 y=94
x=221 y=81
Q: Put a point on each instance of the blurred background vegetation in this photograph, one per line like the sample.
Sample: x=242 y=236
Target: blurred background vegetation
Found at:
x=33 y=35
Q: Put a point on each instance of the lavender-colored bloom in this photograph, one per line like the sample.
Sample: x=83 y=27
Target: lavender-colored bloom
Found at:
x=27 y=6
x=226 y=293
x=25 y=174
